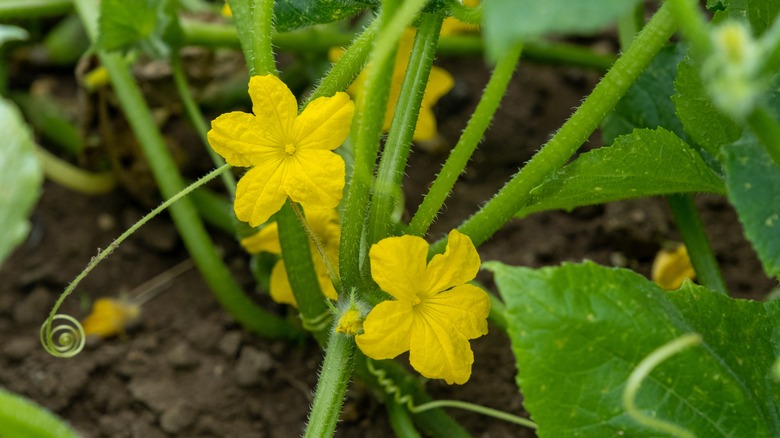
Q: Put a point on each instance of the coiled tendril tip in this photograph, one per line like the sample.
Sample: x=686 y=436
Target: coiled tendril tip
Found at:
x=66 y=339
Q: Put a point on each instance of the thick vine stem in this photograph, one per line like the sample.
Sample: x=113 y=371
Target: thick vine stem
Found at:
x=331 y=386
x=399 y=139
x=262 y=48
x=367 y=129
x=640 y=373
x=557 y=151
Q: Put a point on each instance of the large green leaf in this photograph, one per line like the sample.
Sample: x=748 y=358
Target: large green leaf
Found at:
x=643 y=163
x=753 y=182
x=507 y=22
x=20 y=417
x=648 y=103
x=21 y=177
x=578 y=331
x=704 y=124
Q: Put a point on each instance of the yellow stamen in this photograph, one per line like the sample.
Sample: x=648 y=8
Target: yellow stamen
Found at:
x=289 y=149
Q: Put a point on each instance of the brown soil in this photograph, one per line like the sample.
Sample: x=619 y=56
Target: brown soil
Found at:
x=189 y=370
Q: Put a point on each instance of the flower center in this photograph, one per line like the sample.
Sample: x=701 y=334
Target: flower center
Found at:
x=289 y=149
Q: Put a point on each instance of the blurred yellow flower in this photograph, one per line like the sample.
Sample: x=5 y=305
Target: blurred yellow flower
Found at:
x=350 y=323
x=110 y=317
x=290 y=155
x=324 y=223
x=439 y=83
x=226 y=11
x=434 y=313
x=671 y=267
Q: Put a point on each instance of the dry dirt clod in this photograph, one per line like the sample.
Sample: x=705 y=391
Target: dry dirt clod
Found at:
x=177 y=417
x=230 y=343
x=182 y=356
x=33 y=308
x=252 y=364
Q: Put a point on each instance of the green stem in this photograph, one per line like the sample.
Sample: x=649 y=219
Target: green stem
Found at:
x=630 y=24
x=401 y=420
x=262 y=18
x=331 y=386
x=197 y=119
x=692 y=23
x=33 y=8
x=74 y=178
x=348 y=66
x=314 y=240
x=219 y=35
x=226 y=290
x=399 y=138
x=47 y=327
x=367 y=129
x=490 y=412
x=467 y=144
x=215 y=210
x=767 y=131
x=695 y=239
x=557 y=151
x=303 y=279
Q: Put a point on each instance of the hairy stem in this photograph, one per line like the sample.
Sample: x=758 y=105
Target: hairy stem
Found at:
x=557 y=151
x=331 y=386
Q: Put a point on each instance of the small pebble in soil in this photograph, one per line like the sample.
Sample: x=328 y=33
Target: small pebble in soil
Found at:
x=177 y=417
x=251 y=366
x=19 y=348
x=106 y=222
x=230 y=343
x=182 y=356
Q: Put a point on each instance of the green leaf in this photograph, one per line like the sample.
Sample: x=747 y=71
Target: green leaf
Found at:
x=760 y=13
x=753 y=182
x=150 y=25
x=578 y=331
x=20 y=417
x=704 y=124
x=21 y=177
x=294 y=14
x=507 y=22
x=643 y=163
x=648 y=103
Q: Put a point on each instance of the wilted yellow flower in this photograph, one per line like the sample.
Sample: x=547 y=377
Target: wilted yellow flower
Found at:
x=290 y=155
x=325 y=225
x=434 y=313
x=671 y=267
x=439 y=83
x=110 y=317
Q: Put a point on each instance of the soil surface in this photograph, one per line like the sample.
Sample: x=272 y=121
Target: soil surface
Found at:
x=188 y=370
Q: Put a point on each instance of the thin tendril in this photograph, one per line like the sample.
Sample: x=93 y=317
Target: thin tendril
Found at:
x=70 y=336
x=407 y=400
x=47 y=331
x=151 y=288
x=318 y=323
x=334 y=277
x=642 y=370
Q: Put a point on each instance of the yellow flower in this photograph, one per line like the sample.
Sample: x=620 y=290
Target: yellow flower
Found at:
x=671 y=267
x=110 y=317
x=325 y=225
x=434 y=313
x=350 y=323
x=439 y=83
x=291 y=155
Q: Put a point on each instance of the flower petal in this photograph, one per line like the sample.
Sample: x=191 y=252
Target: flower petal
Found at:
x=440 y=82
x=315 y=178
x=398 y=266
x=242 y=140
x=265 y=240
x=325 y=123
x=439 y=351
x=260 y=193
x=426 y=125
x=387 y=330
x=323 y=277
x=466 y=307
x=280 y=288
x=274 y=105
x=458 y=265
x=324 y=223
